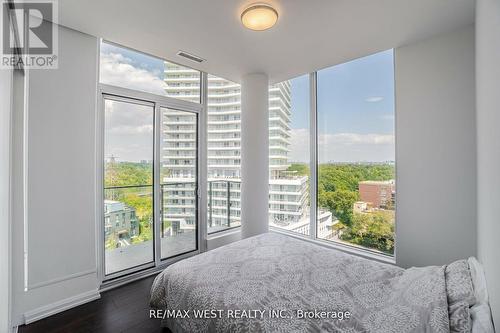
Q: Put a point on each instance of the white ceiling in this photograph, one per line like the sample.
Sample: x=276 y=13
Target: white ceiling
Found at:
x=309 y=35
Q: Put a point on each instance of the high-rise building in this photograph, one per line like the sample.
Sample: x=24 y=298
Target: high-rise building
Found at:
x=288 y=193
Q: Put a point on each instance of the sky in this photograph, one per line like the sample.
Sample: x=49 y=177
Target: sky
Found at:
x=129 y=127
x=128 y=132
x=355 y=112
x=131 y=69
x=355 y=108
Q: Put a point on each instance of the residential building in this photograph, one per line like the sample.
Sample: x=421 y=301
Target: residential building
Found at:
x=288 y=193
x=379 y=194
x=120 y=222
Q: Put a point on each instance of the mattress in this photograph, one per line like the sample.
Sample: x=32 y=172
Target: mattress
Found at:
x=276 y=283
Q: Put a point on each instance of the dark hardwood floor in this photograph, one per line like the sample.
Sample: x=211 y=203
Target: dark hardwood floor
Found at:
x=123 y=309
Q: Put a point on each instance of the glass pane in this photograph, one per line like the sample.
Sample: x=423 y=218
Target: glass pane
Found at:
x=289 y=204
x=224 y=204
x=235 y=202
x=224 y=164
x=178 y=177
x=356 y=153
x=128 y=179
x=130 y=69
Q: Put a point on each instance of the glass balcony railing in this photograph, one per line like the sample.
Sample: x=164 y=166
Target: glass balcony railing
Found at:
x=128 y=219
x=223 y=205
x=178 y=226
x=128 y=226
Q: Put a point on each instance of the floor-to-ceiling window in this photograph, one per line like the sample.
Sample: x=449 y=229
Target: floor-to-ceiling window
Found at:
x=151 y=113
x=349 y=169
x=356 y=152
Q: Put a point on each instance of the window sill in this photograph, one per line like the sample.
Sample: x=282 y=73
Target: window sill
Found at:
x=224 y=232
x=350 y=249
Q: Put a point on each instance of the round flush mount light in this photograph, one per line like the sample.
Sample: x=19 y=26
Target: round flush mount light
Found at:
x=259 y=17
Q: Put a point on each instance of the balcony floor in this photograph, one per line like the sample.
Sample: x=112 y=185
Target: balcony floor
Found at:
x=137 y=254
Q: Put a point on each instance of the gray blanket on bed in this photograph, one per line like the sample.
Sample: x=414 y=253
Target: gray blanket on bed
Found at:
x=275 y=283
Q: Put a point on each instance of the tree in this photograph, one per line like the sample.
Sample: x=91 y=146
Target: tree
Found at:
x=137 y=198
x=338 y=186
x=339 y=202
x=300 y=168
x=128 y=173
x=373 y=230
x=143 y=206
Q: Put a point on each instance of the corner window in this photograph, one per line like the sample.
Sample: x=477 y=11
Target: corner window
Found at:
x=353 y=197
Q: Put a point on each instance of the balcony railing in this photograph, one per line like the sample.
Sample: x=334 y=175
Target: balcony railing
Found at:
x=223 y=196
x=178 y=209
x=178 y=206
x=128 y=221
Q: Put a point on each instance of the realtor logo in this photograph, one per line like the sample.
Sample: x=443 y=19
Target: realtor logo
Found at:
x=29 y=34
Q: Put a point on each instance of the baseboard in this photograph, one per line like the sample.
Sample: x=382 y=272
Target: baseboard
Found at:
x=60 y=306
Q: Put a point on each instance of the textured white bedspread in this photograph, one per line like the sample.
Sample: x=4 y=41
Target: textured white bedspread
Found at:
x=273 y=272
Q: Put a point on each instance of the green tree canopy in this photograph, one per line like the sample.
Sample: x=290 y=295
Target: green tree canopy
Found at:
x=301 y=169
x=373 y=230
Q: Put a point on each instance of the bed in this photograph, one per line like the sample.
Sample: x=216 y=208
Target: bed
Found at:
x=276 y=283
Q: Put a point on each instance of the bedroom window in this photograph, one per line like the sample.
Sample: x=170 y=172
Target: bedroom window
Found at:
x=224 y=162
x=332 y=154
x=356 y=153
x=289 y=108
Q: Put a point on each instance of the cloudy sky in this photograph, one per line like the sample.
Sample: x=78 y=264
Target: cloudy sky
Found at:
x=355 y=112
x=129 y=69
x=355 y=108
x=128 y=131
x=129 y=127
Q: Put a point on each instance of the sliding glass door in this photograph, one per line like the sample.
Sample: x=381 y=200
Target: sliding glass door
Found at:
x=128 y=184
x=150 y=208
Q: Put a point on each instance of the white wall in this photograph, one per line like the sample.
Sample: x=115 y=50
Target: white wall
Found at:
x=436 y=150
x=54 y=183
x=488 y=144
x=254 y=154
x=5 y=116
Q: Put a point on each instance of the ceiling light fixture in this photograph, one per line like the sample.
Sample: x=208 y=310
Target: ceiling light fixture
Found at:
x=259 y=17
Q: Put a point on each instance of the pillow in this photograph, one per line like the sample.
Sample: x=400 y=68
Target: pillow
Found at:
x=460 y=294
x=480 y=311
